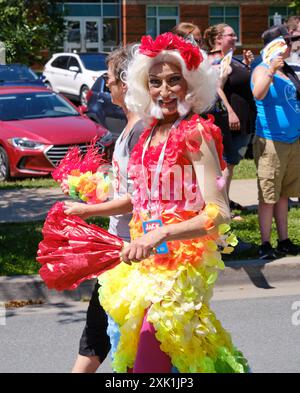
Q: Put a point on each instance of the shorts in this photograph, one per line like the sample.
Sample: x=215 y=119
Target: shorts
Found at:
x=94 y=340
x=235 y=143
x=278 y=169
x=235 y=147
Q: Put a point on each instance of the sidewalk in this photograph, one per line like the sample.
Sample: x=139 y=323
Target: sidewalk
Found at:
x=33 y=204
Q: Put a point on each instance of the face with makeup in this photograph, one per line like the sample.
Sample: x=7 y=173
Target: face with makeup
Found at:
x=167 y=87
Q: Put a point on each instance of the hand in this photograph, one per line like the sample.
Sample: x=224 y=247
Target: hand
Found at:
x=248 y=57
x=234 y=121
x=76 y=209
x=64 y=187
x=276 y=64
x=142 y=247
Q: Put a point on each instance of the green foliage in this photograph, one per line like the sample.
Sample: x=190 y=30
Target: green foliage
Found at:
x=29 y=27
x=295 y=5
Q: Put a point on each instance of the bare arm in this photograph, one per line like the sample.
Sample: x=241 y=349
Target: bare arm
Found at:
x=233 y=120
x=263 y=77
x=105 y=209
x=195 y=227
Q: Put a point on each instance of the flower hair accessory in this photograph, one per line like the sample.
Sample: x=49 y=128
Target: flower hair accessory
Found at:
x=169 y=41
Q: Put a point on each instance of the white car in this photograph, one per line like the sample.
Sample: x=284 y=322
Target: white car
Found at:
x=73 y=74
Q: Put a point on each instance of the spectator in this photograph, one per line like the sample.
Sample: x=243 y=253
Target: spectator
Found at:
x=276 y=89
x=189 y=31
x=293 y=27
x=235 y=112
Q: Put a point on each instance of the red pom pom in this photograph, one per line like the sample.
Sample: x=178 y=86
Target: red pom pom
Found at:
x=168 y=41
x=73 y=251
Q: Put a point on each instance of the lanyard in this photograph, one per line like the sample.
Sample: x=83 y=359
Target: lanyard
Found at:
x=158 y=169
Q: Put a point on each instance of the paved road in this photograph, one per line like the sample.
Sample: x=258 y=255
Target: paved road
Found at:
x=45 y=338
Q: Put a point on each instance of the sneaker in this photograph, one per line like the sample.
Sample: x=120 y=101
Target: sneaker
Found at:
x=288 y=247
x=236 y=206
x=266 y=251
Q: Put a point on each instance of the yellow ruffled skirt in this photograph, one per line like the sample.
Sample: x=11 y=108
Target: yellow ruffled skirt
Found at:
x=175 y=290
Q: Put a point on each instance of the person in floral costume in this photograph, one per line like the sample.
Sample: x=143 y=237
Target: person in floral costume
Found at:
x=158 y=309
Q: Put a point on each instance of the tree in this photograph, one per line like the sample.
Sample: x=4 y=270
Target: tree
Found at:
x=295 y=5
x=29 y=27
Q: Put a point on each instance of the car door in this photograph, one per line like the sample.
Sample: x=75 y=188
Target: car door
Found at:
x=73 y=79
x=56 y=73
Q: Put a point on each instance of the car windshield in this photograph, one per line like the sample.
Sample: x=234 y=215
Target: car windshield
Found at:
x=16 y=72
x=34 y=105
x=94 y=62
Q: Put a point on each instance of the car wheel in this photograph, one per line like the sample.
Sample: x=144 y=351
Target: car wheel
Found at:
x=4 y=165
x=83 y=93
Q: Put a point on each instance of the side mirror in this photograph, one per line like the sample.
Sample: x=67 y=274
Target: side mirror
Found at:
x=82 y=109
x=74 y=68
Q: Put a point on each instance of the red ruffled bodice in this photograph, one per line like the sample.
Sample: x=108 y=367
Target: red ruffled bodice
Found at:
x=178 y=188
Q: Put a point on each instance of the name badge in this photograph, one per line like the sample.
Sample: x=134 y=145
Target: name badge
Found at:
x=149 y=226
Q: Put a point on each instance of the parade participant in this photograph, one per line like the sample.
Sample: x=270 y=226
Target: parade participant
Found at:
x=159 y=314
x=94 y=343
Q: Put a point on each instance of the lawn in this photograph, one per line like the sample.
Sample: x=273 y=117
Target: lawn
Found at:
x=36 y=182
x=19 y=242
x=245 y=170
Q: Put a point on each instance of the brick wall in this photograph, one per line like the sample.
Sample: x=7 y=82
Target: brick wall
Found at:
x=254 y=20
x=197 y=14
x=135 y=22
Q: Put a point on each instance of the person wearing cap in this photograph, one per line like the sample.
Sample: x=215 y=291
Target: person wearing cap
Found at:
x=276 y=146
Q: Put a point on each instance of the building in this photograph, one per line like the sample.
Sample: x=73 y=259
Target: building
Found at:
x=97 y=25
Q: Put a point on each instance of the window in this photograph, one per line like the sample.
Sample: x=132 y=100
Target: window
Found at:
x=60 y=62
x=111 y=33
x=228 y=15
x=73 y=63
x=283 y=12
x=161 y=19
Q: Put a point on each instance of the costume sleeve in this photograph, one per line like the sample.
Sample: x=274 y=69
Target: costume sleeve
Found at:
x=206 y=162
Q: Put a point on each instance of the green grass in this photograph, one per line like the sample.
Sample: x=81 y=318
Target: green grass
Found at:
x=248 y=231
x=245 y=170
x=19 y=244
x=38 y=182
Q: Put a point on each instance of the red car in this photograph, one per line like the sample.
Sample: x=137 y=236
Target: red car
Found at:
x=37 y=127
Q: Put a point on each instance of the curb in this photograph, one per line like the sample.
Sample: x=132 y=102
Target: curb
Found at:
x=258 y=273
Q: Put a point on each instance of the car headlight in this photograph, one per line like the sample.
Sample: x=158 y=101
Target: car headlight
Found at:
x=24 y=143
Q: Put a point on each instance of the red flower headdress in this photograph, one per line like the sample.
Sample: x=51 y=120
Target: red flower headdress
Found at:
x=169 y=41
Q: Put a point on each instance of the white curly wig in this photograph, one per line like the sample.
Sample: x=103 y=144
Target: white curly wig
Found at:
x=202 y=82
